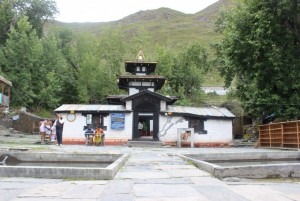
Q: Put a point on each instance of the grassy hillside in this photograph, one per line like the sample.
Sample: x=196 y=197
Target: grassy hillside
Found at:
x=164 y=27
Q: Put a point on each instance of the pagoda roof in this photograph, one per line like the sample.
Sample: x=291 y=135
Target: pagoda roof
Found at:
x=125 y=79
x=130 y=66
x=169 y=100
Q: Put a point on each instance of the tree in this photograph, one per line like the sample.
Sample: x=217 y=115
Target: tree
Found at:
x=67 y=44
x=20 y=59
x=51 y=88
x=184 y=72
x=187 y=74
x=6 y=18
x=260 y=50
x=37 y=11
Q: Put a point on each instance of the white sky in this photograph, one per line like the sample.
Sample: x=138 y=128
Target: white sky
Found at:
x=111 y=10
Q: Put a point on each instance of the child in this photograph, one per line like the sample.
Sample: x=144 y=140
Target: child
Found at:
x=48 y=128
x=97 y=136
x=88 y=132
x=53 y=132
x=42 y=131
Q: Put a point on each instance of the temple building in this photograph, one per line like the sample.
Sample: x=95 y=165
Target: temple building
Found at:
x=143 y=114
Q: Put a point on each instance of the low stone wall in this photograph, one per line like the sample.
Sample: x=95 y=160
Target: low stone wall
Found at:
x=280 y=170
x=51 y=172
x=27 y=123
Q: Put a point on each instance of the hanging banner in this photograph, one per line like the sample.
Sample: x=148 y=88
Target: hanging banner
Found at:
x=117 y=120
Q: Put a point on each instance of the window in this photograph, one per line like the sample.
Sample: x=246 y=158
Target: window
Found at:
x=198 y=125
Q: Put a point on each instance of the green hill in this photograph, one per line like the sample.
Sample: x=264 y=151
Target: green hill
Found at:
x=164 y=27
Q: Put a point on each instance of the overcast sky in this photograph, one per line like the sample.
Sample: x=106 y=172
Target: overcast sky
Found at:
x=111 y=10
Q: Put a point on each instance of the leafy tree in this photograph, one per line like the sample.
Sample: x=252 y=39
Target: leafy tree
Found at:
x=20 y=61
x=261 y=51
x=184 y=71
x=67 y=42
x=37 y=11
x=190 y=67
x=36 y=67
x=111 y=52
x=6 y=18
x=54 y=68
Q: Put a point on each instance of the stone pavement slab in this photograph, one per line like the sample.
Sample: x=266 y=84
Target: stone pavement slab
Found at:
x=117 y=197
x=198 y=198
x=136 y=168
x=264 y=193
x=163 y=181
x=118 y=187
x=170 y=167
x=50 y=199
x=141 y=175
x=219 y=193
x=291 y=189
x=54 y=190
x=164 y=190
x=207 y=181
x=84 y=191
x=7 y=195
x=187 y=173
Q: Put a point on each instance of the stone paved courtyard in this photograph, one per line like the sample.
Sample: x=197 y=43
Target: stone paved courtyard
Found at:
x=150 y=174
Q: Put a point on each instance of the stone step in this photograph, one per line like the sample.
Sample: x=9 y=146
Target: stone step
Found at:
x=141 y=143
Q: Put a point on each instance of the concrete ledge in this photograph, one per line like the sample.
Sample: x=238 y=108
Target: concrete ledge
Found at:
x=107 y=173
x=284 y=170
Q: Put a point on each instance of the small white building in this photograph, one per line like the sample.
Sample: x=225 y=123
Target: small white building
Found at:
x=160 y=118
x=221 y=91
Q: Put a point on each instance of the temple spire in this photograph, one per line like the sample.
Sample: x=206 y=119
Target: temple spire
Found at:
x=140 y=56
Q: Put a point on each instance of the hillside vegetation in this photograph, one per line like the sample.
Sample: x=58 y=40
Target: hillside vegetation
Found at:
x=162 y=27
x=81 y=62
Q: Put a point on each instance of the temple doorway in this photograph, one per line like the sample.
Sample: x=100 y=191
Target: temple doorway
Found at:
x=145 y=125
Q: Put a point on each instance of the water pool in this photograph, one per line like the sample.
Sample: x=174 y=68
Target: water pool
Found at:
x=61 y=166
x=249 y=165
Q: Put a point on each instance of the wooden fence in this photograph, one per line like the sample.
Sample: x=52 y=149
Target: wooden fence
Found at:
x=281 y=135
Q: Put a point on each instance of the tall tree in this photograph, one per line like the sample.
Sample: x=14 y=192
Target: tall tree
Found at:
x=37 y=11
x=184 y=72
x=261 y=51
x=188 y=72
x=20 y=60
x=51 y=88
x=6 y=18
x=67 y=42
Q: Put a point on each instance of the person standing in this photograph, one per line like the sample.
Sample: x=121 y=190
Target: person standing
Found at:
x=42 y=131
x=59 y=125
x=53 y=131
x=140 y=127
